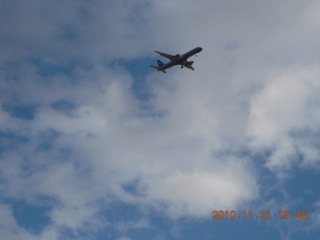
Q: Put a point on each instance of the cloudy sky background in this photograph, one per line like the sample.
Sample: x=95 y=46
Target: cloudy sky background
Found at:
x=94 y=144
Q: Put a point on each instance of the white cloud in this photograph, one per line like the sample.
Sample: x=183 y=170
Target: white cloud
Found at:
x=197 y=192
x=282 y=109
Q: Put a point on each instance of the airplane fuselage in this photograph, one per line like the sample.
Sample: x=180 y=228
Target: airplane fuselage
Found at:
x=191 y=52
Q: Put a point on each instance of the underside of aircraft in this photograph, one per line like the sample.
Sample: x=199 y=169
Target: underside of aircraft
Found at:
x=177 y=59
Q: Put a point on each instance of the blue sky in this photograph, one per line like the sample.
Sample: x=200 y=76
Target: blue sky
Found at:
x=95 y=144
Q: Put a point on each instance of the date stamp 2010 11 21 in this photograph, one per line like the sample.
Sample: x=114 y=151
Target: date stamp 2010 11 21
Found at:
x=282 y=214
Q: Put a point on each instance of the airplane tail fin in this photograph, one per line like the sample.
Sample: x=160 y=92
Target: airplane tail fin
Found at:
x=160 y=64
x=158 y=68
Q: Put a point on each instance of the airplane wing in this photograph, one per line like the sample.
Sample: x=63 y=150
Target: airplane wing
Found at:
x=190 y=67
x=171 y=57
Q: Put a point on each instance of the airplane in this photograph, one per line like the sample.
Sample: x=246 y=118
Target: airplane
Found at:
x=177 y=60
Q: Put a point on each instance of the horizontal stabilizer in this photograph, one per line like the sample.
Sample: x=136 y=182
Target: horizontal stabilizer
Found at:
x=158 y=68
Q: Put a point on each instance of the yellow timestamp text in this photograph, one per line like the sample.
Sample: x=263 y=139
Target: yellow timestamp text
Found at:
x=263 y=214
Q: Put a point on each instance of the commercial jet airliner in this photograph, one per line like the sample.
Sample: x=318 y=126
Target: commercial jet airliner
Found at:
x=177 y=60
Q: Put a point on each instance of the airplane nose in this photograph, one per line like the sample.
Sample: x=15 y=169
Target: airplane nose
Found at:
x=200 y=49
